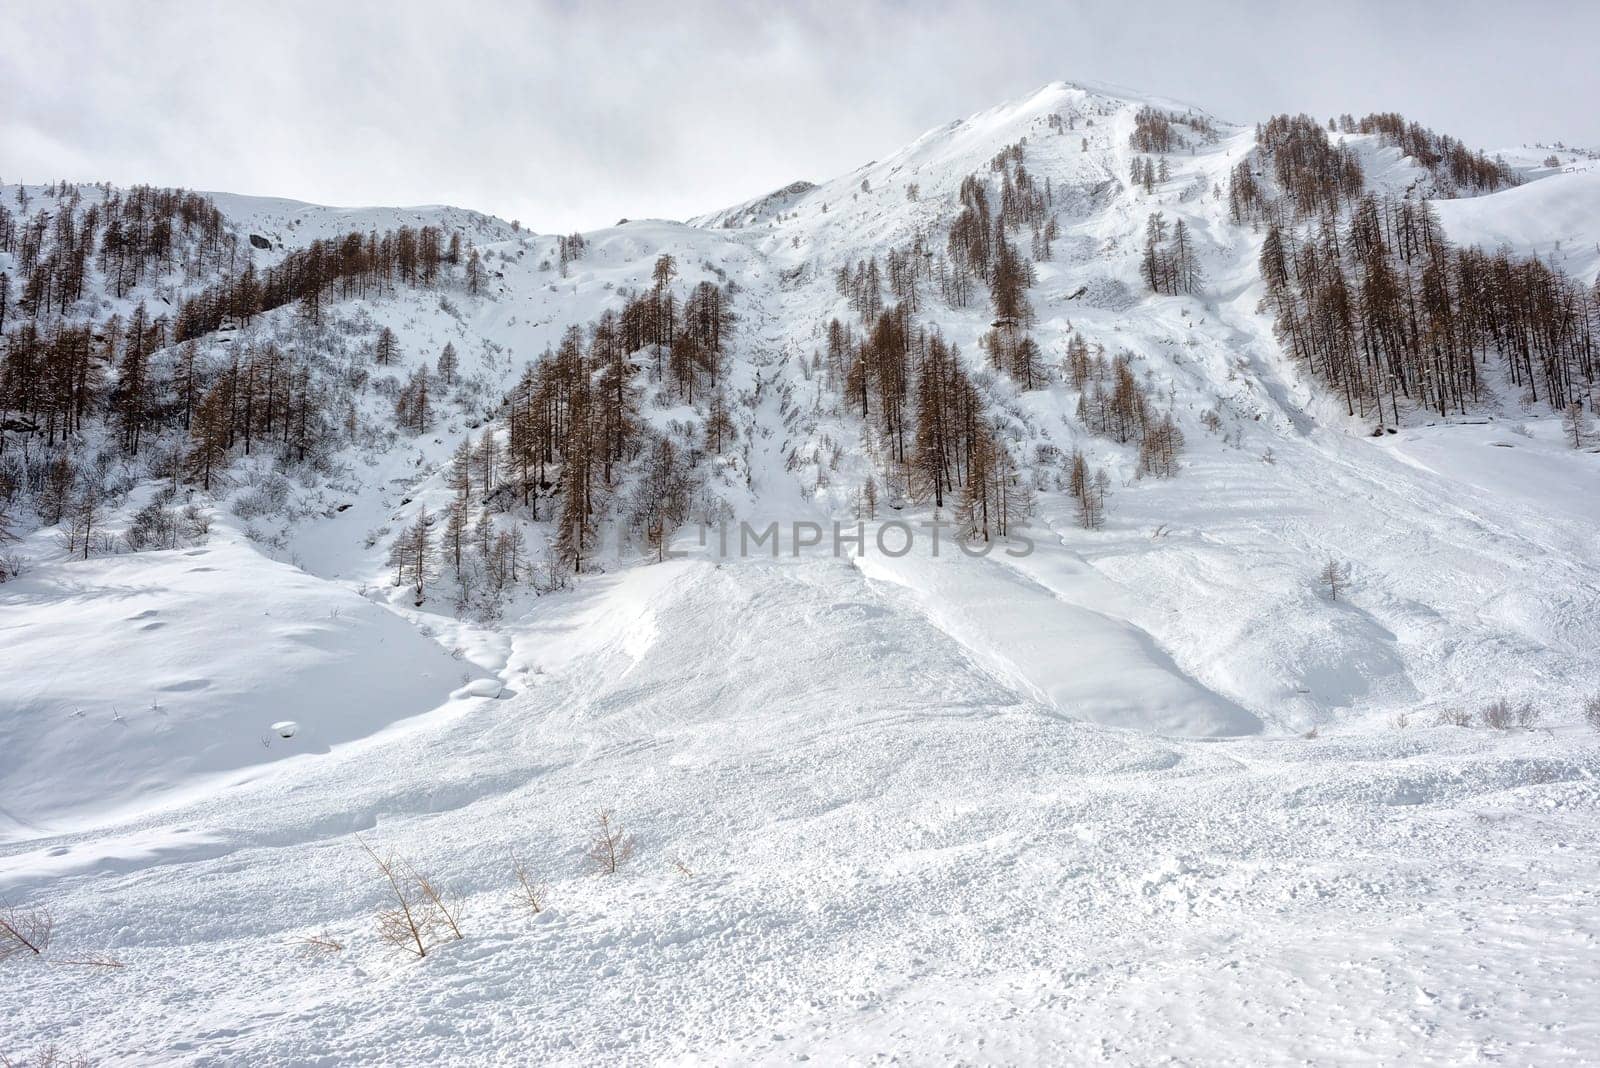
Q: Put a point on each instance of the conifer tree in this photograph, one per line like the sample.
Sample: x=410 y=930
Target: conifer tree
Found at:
x=459 y=477
x=487 y=457
x=1576 y=423
x=455 y=532
x=1077 y=475
x=387 y=349
x=973 y=511
x=448 y=364
x=412 y=554
x=85 y=520
x=1154 y=263
x=1092 y=503
x=208 y=437
x=719 y=425
x=575 y=527
x=133 y=384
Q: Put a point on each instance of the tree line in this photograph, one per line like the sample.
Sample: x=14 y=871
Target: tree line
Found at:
x=355 y=265
x=1314 y=175
x=1454 y=166
x=1383 y=307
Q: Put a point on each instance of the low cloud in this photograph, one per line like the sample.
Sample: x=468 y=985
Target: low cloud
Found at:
x=570 y=115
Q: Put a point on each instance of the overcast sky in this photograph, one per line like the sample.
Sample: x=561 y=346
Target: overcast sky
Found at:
x=571 y=115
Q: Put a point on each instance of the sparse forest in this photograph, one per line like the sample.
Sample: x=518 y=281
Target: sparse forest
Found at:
x=1383 y=308
x=181 y=395
x=427 y=637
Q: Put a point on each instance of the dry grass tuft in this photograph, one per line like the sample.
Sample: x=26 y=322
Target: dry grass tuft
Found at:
x=317 y=945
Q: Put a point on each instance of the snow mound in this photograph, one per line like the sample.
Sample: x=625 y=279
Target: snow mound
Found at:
x=1554 y=218
x=1078 y=661
x=759 y=210
x=132 y=678
x=286 y=224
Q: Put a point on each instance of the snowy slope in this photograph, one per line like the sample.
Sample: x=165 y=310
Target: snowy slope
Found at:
x=1141 y=793
x=1553 y=218
x=288 y=224
x=889 y=852
x=1225 y=593
x=166 y=670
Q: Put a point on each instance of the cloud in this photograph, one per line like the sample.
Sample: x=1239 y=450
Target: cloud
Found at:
x=570 y=115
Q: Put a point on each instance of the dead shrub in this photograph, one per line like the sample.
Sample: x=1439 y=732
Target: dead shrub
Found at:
x=530 y=892
x=318 y=945
x=1501 y=715
x=1454 y=717
x=1591 y=713
x=421 y=912
x=446 y=912
x=48 y=1057
x=96 y=961
x=24 y=931
x=610 y=846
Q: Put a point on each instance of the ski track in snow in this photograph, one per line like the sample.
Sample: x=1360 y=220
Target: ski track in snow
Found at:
x=1049 y=809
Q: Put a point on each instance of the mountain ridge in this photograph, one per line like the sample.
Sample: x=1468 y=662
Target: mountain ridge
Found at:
x=1206 y=692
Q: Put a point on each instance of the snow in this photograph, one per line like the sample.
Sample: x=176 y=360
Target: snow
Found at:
x=892 y=853
x=142 y=680
x=1067 y=657
x=1553 y=218
x=292 y=224
x=1143 y=793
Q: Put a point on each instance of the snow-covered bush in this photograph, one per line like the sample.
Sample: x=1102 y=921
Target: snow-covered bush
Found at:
x=155 y=526
x=12 y=565
x=267 y=497
x=1497 y=715
x=1501 y=715
x=159 y=526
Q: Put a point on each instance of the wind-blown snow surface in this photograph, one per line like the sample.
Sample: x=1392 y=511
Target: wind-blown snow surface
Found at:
x=158 y=668
x=1049 y=808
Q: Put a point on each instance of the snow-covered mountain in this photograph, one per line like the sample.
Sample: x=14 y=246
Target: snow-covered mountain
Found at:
x=1160 y=739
